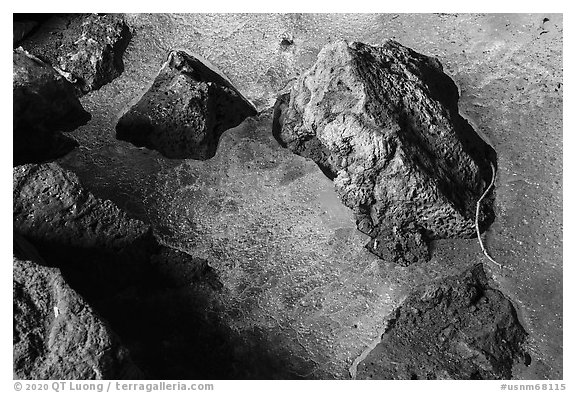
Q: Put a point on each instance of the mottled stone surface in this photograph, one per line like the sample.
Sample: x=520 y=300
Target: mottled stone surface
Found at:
x=51 y=204
x=509 y=73
x=185 y=110
x=86 y=49
x=44 y=104
x=456 y=328
x=91 y=239
x=114 y=262
x=383 y=122
x=57 y=335
x=95 y=57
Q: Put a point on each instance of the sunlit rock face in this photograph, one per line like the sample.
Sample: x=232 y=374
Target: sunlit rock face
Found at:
x=57 y=334
x=87 y=49
x=383 y=123
x=185 y=110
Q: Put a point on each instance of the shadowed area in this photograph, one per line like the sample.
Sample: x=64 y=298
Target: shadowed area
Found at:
x=295 y=279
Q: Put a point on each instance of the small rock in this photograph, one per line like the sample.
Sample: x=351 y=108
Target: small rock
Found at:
x=57 y=335
x=383 y=123
x=86 y=49
x=94 y=58
x=456 y=328
x=185 y=110
x=44 y=104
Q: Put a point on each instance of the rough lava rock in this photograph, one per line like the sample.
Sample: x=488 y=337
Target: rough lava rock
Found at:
x=185 y=111
x=383 y=123
x=94 y=58
x=86 y=49
x=57 y=335
x=116 y=264
x=44 y=104
x=51 y=204
x=96 y=244
x=456 y=328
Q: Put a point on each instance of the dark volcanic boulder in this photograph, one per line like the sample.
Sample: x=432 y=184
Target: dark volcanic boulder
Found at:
x=383 y=123
x=97 y=245
x=185 y=110
x=143 y=289
x=44 y=104
x=94 y=58
x=57 y=335
x=86 y=49
x=51 y=204
x=456 y=328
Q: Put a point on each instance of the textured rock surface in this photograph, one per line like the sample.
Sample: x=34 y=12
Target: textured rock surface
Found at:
x=185 y=110
x=44 y=104
x=510 y=80
x=50 y=204
x=146 y=291
x=383 y=122
x=95 y=243
x=87 y=49
x=456 y=328
x=57 y=335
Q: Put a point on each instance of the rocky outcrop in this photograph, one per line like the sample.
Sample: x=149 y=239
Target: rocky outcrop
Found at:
x=185 y=110
x=57 y=335
x=44 y=104
x=383 y=123
x=456 y=328
x=86 y=49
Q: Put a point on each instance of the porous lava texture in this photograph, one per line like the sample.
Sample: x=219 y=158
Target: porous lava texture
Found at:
x=113 y=262
x=95 y=243
x=57 y=335
x=456 y=328
x=86 y=49
x=185 y=110
x=44 y=104
x=383 y=123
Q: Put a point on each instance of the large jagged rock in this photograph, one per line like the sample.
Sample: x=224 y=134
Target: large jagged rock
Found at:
x=96 y=244
x=185 y=110
x=117 y=265
x=50 y=204
x=456 y=328
x=57 y=335
x=44 y=103
x=383 y=123
x=86 y=49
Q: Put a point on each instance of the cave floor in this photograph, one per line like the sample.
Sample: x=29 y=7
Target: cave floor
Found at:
x=294 y=271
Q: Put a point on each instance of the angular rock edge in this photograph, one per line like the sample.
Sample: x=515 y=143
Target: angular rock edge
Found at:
x=95 y=58
x=383 y=124
x=57 y=335
x=185 y=111
x=87 y=49
x=458 y=327
x=44 y=105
